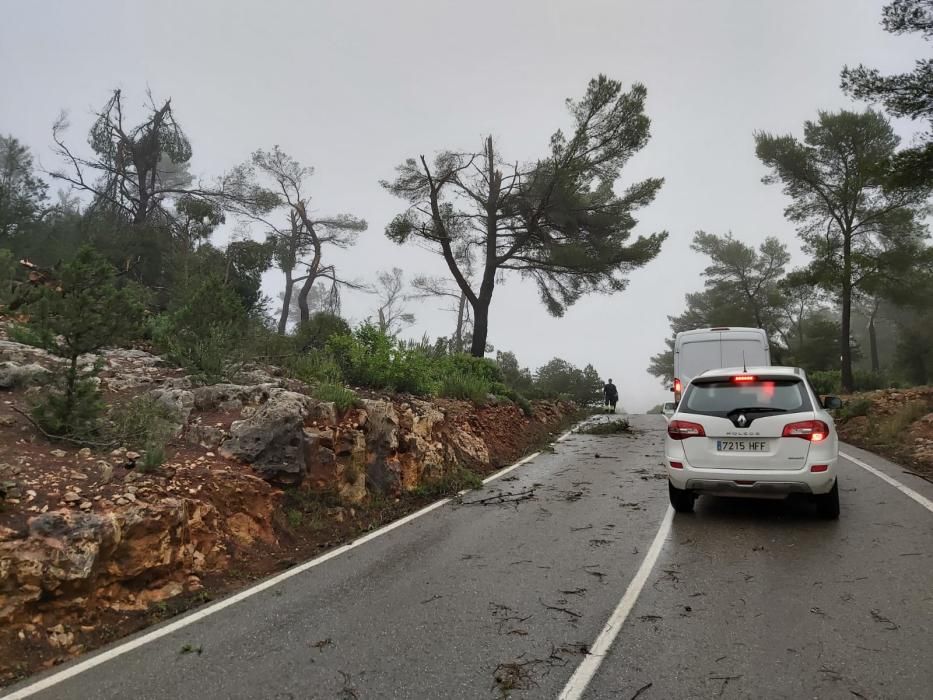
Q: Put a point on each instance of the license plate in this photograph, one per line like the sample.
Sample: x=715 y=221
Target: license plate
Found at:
x=741 y=446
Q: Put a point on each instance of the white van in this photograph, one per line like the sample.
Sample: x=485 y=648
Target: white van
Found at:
x=714 y=348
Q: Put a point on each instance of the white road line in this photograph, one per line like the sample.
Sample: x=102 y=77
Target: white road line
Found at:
x=155 y=634
x=590 y=665
x=565 y=436
x=190 y=619
x=505 y=471
x=906 y=490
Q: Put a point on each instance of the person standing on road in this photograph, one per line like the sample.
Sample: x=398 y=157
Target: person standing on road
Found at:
x=612 y=395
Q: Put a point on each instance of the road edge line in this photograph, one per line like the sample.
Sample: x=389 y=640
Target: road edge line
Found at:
x=597 y=653
x=182 y=622
x=906 y=490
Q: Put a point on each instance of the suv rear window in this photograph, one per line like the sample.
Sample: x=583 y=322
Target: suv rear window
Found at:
x=719 y=398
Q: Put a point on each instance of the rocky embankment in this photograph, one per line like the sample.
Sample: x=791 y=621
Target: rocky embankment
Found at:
x=88 y=537
x=897 y=423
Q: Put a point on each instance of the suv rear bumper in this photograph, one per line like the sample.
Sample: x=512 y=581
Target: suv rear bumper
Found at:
x=758 y=489
x=753 y=482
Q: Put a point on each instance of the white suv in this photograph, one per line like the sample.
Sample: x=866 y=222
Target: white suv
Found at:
x=759 y=432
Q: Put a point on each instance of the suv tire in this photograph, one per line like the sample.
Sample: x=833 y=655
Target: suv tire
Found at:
x=681 y=499
x=827 y=504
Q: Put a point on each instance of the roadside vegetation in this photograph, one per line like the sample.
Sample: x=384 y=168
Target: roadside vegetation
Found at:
x=896 y=423
x=129 y=252
x=858 y=315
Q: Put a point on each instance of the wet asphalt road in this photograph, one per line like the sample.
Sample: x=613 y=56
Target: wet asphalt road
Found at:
x=749 y=599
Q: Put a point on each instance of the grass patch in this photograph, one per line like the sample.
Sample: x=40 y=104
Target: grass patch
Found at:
x=312 y=367
x=342 y=397
x=153 y=457
x=855 y=408
x=141 y=423
x=892 y=428
x=458 y=480
x=309 y=509
x=295 y=517
x=612 y=427
x=460 y=385
x=526 y=406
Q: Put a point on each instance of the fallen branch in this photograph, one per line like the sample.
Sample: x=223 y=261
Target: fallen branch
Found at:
x=878 y=617
x=575 y=591
x=920 y=476
x=502 y=498
x=572 y=614
x=641 y=690
x=512 y=621
x=62 y=438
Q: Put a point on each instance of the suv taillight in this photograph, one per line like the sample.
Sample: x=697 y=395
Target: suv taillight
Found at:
x=812 y=430
x=681 y=430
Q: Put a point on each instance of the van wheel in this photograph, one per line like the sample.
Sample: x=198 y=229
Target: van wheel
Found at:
x=681 y=499
x=827 y=504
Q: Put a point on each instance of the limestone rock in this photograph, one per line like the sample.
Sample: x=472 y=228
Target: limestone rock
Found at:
x=16 y=375
x=271 y=439
x=208 y=398
x=208 y=436
x=179 y=401
x=105 y=471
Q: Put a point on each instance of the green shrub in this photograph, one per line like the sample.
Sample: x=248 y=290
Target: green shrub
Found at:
x=26 y=335
x=480 y=367
x=372 y=359
x=469 y=387
x=208 y=333
x=69 y=410
x=153 y=457
x=314 y=333
x=140 y=423
x=869 y=381
x=211 y=356
x=342 y=397
x=294 y=516
x=855 y=407
x=266 y=344
x=83 y=313
x=526 y=406
x=313 y=367
x=826 y=382
x=513 y=396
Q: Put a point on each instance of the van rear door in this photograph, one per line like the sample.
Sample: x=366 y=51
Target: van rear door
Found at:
x=698 y=355
x=744 y=351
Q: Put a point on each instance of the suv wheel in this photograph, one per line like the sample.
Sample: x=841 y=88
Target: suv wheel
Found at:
x=827 y=504
x=681 y=499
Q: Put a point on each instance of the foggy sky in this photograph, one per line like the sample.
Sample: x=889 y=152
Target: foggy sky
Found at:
x=354 y=88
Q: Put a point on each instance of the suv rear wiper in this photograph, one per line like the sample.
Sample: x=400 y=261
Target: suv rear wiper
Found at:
x=756 y=409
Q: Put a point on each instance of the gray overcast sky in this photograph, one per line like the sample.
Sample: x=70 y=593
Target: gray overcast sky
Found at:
x=353 y=88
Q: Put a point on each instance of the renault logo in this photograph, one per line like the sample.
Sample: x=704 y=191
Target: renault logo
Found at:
x=741 y=420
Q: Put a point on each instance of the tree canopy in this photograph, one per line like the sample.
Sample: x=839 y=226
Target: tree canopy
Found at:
x=557 y=221
x=856 y=222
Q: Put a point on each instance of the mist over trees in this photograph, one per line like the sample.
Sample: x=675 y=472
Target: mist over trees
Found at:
x=556 y=221
x=193 y=253
x=132 y=228
x=858 y=314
